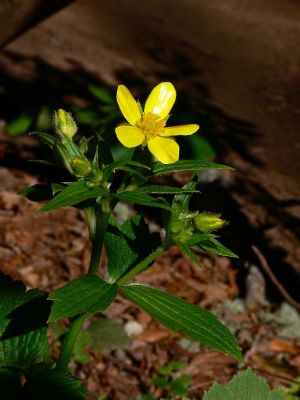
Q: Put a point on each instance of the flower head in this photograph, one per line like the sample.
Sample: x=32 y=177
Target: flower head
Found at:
x=206 y=222
x=64 y=123
x=148 y=127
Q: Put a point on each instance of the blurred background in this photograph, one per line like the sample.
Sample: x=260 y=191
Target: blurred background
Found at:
x=236 y=68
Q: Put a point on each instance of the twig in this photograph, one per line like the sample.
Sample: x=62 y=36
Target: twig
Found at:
x=268 y=270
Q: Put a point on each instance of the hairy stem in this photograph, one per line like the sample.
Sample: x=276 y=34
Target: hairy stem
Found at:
x=102 y=219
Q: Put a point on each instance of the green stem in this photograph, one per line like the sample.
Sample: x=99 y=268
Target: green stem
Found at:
x=142 y=266
x=102 y=219
x=69 y=342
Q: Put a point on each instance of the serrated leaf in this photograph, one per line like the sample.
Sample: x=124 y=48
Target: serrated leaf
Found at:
x=181 y=316
x=125 y=166
x=186 y=165
x=246 y=386
x=188 y=252
x=180 y=203
x=200 y=237
x=142 y=199
x=73 y=194
x=162 y=189
x=133 y=241
x=23 y=329
x=214 y=246
x=88 y=294
x=48 y=384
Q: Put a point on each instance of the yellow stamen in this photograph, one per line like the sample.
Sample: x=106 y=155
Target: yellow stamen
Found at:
x=151 y=124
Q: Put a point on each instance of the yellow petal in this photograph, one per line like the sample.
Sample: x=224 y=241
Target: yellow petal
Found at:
x=161 y=99
x=128 y=105
x=183 y=130
x=165 y=150
x=129 y=136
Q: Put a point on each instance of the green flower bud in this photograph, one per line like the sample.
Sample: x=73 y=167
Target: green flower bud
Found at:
x=206 y=222
x=64 y=123
x=81 y=167
x=95 y=178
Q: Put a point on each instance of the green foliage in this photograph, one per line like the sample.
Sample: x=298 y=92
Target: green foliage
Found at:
x=142 y=199
x=212 y=245
x=293 y=392
x=169 y=380
x=73 y=194
x=133 y=241
x=183 y=317
x=88 y=294
x=23 y=328
x=48 y=384
x=20 y=124
x=247 y=386
x=186 y=165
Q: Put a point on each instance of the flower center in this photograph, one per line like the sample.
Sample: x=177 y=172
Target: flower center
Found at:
x=151 y=124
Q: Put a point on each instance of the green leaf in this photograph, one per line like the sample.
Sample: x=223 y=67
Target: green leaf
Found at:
x=124 y=166
x=23 y=329
x=101 y=335
x=79 y=351
x=246 y=386
x=19 y=125
x=37 y=192
x=187 y=251
x=200 y=237
x=161 y=381
x=87 y=294
x=198 y=147
x=73 y=194
x=171 y=368
x=102 y=94
x=214 y=246
x=48 y=384
x=49 y=140
x=186 y=165
x=133 y=241
x=180 y=385
x=161 y=189
x=181 y=316
x=142 y=199
x=180 y=203
x=107 y=335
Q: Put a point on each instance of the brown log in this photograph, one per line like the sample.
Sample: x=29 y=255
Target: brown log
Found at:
x=18 y=16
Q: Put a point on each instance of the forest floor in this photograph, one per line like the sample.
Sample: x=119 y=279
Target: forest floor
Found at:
x=47 y=250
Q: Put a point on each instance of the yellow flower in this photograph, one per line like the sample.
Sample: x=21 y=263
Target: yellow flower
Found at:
x=148 y=127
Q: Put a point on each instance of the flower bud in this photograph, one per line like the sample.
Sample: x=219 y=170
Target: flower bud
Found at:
x=206 y=222
x=81 y=167
x=64 y=123
x=95 y=178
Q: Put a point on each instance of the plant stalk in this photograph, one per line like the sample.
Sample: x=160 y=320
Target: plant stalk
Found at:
x=102 y=219
x=142 y=266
